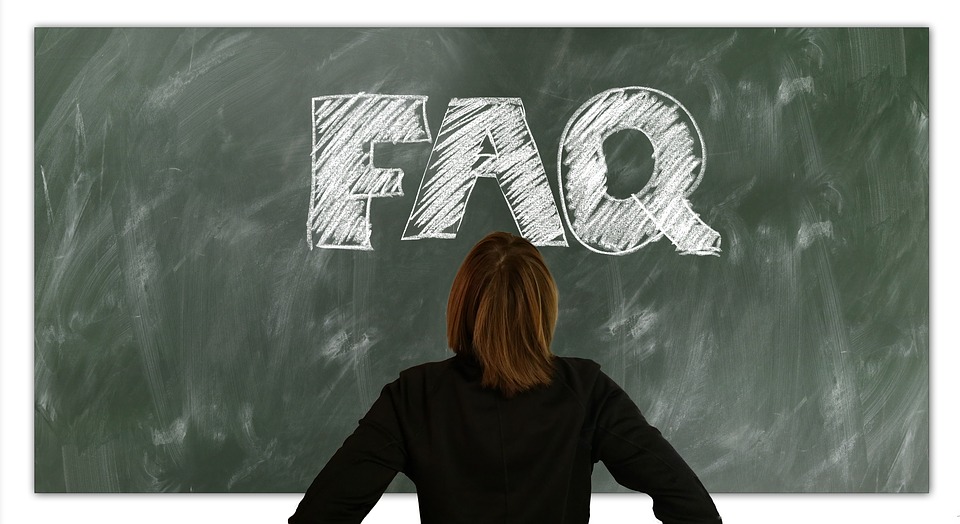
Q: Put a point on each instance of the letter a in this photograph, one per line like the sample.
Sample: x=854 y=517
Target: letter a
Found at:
x=613 y=226
x=344 y=178
x=459 y=157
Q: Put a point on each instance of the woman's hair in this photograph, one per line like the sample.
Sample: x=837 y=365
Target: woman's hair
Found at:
x=502 y=311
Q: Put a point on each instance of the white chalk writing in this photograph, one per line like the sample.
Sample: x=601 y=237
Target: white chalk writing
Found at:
x=609 y=225
x=489 y=137
x=459 y=158
x=345 y=130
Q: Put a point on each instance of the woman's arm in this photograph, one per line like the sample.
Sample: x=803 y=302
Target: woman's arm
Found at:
x=639 y=458
x=358 y=473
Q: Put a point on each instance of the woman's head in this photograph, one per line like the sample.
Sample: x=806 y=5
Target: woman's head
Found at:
x=502 y=311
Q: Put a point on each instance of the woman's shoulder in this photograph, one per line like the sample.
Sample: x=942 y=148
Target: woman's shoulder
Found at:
x=424 y=376
x=579 y=375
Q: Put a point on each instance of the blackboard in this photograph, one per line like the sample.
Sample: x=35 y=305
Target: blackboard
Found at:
x=194 y=333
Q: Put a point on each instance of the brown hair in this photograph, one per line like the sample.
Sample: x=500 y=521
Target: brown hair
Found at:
x=502 y=311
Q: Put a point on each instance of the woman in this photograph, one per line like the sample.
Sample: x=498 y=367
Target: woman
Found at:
x=504 y=431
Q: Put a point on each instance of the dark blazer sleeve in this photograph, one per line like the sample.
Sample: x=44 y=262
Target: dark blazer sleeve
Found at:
x=360 y=471
x=639 y=458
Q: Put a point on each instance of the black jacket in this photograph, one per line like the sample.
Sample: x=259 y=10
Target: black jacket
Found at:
x=480 y=458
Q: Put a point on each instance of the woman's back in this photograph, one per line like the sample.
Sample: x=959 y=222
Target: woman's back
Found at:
x=476 y=456
x=479 y=457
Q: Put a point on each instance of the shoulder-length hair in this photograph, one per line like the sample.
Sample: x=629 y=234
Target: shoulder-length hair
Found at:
x=502 y=310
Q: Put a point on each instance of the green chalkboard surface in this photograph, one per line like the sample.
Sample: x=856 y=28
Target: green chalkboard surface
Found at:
x=243 y=234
